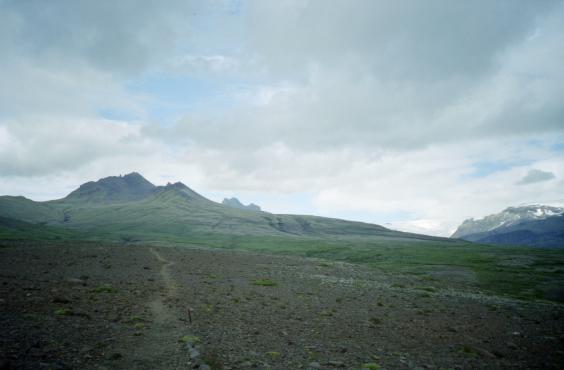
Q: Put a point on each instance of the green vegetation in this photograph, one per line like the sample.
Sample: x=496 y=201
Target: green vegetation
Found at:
x=190 y=339
x=469 y=351
x=12 y=229
x=105 y=288
x=135 y=319
x=370 y=366
x=264 y=282
x=63 y=312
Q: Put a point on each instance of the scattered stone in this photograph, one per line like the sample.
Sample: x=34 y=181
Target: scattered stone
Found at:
x=193 y=353
x=484 y=352
x=59 y=299
x=309 y=344
x=336 y=363
x=76 y=281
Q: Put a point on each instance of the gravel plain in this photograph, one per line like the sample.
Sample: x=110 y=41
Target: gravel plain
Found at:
x=94 y=306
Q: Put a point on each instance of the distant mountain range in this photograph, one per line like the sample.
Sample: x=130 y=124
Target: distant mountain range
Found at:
x=235 y=203
x=131 y=209
x=533 y=225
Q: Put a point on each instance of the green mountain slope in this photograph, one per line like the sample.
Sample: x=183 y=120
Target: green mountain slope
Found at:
x=11 y=229
x=131 y=208
x=21 y=208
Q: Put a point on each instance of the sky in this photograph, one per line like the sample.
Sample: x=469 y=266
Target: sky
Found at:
x=411 y=114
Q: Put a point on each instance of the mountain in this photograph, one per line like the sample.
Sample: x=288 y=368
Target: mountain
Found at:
x=235 y=203
x=111 y=189
x=532 y=225
x=129 y=208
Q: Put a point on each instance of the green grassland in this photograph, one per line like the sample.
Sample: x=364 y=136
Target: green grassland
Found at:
x=11 y=229
x=518 y=272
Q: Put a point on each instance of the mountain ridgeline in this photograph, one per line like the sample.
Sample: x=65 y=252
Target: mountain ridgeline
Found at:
x=532 y=225
x=235 y=203
x=130 y=208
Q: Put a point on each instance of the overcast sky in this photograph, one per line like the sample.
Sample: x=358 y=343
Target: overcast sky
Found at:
x=411 y=114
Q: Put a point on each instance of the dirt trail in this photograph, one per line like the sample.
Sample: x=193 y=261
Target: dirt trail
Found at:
x=170 y=285
x=159 y=346
x=162 y=313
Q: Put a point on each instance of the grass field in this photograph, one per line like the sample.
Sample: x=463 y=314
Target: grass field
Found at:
x=524 y=273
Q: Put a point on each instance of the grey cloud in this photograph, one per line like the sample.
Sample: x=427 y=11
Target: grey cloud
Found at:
x=535 y=175
x=68 y=57
x=397 y=75
x=122 y=36
x=418 y=40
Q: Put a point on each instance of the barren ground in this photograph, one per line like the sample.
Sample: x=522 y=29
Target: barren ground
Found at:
x=89 y=306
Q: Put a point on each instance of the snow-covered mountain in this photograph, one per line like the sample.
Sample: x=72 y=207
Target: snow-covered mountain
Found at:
x=534 y=225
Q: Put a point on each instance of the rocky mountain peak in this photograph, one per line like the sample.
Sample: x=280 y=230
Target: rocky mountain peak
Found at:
x=235 y=203
x=508 y=217
x=113 y=189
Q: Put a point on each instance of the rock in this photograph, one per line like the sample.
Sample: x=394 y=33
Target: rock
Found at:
x=60 y=299
x=193 y=353
x=204 y=367
x=484 y=352
x=76 y=281
x=314 y=365
x=336 y=363
x=54 y=366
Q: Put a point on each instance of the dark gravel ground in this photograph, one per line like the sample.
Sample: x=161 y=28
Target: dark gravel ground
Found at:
x=88 y=306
